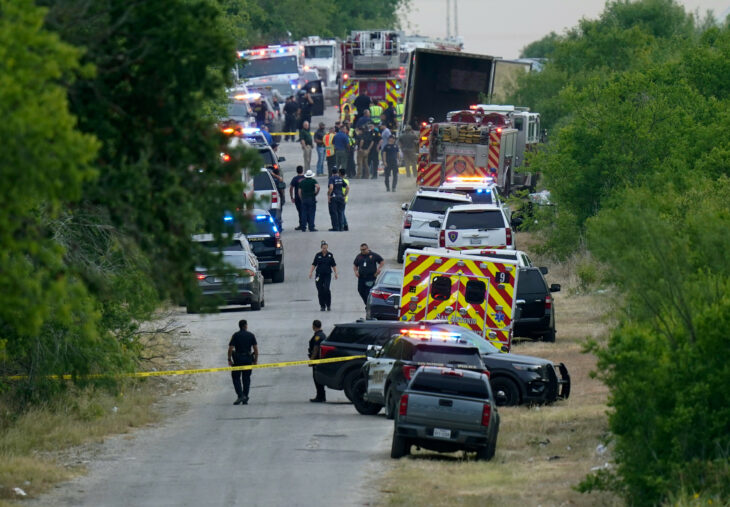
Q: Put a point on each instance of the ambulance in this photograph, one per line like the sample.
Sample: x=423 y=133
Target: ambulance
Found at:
x=475 y=292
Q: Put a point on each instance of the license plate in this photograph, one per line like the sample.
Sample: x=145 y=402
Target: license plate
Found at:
x=255 y=239
x=441 y=433
x=475 y=241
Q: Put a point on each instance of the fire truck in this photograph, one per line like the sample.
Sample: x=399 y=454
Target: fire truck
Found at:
x=371 y=62
x=472 y=145
x=475 y=292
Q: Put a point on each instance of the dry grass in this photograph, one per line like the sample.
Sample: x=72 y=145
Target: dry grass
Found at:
x=542 y=452
x=32 y=445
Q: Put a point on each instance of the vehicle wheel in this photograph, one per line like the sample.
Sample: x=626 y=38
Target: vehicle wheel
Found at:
x=400 y=447
x=263 y=303
x=401 y=251
x=485 y=453
x=505 y=392
x=389 y=404
x=348 y=384
x=255 y=306
x=549 y=336
x=278 y=276
x=358 y=399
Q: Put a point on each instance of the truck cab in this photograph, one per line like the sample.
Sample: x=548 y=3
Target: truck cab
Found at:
x=323 y=55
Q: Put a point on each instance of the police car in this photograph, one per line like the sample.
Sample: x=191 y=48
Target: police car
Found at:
x=476 y=226
x=482 y=190
x=421 y=218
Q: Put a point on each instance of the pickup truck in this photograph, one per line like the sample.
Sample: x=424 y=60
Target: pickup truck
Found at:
x=446 y=410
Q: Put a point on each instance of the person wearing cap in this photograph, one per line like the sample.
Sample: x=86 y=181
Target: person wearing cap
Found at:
x=308 y=190
x=324 y=263
x=305 y=139
x=321 y=150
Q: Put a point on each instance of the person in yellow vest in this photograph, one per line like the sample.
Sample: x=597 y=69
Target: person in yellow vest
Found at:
x=400 y=108
x=347 y=196
x=375 y=112
x=346 y=114
x=329 y=149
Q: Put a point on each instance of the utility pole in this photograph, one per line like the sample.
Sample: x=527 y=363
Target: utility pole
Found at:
x=448 y=19
x=456 y=18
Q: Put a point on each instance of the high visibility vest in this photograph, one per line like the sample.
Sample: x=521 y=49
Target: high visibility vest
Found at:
x=329 y=147
x=375 y=112
x=400 y=109
x=347 y=189
x=353 y=111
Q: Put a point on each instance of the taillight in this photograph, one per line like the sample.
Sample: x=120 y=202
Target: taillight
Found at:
x=379 y=294
x=508 y=233
x=408 y=371
x=442 y=238
x=248 y=272
x=486 y=372
x=486 y=414
x=403 y=407
x=278 y=241
x=200 y=276
x=548 y=302
x=274 y=197
x=324 y=350
x=408 y=221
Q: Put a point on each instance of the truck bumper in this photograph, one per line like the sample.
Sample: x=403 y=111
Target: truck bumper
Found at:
x=460 y=439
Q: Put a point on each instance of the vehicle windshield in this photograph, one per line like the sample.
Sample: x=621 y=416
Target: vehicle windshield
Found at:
x=260 y=226
x=318 y=51
x=233 y=246
x=480 y=196
x=392 y=278
x=485 y=219
x=530 y=281
x=262 y=181
x=432 y=205
x=268 y=67
x=267 y=156
x=449 y=356
x=239 y=109
x=448 y=384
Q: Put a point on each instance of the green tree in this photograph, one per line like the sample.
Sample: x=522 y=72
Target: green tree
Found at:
x=541 y=48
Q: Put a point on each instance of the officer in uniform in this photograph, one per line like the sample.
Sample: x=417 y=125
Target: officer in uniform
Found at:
x=242 y=350
x=336 y=195
x=367 y=267
x=314 y=344
x=324 y=263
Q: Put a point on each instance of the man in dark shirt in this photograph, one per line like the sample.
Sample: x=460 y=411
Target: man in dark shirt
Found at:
x=242 y=350
x=305 y=140
x=390 y=115
x=408 y=142
x=260 y=108
x=291 y=109
x=324 y=263
x=367 y=267
x=363 y=121
x=336 y=198
x=308 y=190
x=305 y=104
x=314 y=344
x=374 y=153
x=390 y=158
x=362 y=102
x=341 y=143
x=319 y=144
x=294 y=195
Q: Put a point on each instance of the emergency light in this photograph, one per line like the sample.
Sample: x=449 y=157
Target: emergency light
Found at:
x=430 y=335
x=247 y=96
x=471 y=179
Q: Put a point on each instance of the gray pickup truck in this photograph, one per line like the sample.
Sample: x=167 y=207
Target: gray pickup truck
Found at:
x=446 y=410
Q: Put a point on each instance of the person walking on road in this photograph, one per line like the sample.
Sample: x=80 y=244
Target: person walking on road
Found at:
x=367 y=267
x=294 y=196
x=305 y=139
x=408 y=142
x=308 y=190
x=341 y=141
x=314 y=344
x=319 y=143
x=242 y=351
x=347 y=196
x=390 y=157
x=324 y=264
x=336 y=196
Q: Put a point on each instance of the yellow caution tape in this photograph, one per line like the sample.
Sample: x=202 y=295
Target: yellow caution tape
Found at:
x=284 y=133
x=200 y=370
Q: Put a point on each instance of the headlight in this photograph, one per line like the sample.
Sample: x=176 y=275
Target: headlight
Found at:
x=527 y=367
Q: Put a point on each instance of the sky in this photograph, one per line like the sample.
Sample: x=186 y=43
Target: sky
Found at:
x=516 y=22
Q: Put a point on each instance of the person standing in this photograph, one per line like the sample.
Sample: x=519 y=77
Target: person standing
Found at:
x=390 y=157
x=362 y=138
x=294 y=195
x=305 y=139
x=314 y=344
x=242 y=351
x=374 y=152
x=308 y=190
x=408 y=142
x=362 y=102
x=291 y=108
x=260 y=109
x=390 y=115
x=329 y=149
x=363 y=121
x=324 y=264
x=305 y=107
x=347 y=196
x=367 y=267
x=341 y=142
x=319 y=143
x=336 y=196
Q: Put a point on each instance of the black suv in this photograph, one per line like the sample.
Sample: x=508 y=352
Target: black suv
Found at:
x=352 y=339
x=536 y=317
x=265 y=239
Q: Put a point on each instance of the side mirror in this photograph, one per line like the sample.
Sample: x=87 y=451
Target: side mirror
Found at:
x=282 y=159
x=404 y=206
x=555 y=287
x=435 y=223
x=543 y=270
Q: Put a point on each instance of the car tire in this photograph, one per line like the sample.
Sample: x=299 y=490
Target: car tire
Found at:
x=389 y=403
x=400 y=447
x=278 y=276
x=506 y=392
x=401 y=251
x=549 y=336
x=485 y=453
x=358 y=399
x=255 y=306
x=348 y=382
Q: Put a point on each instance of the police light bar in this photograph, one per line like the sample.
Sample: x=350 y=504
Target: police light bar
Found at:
x=430 y=335
x=471 y=179
x=228 y=217
x=251 y=130
x=247 y=96
x=262 y=217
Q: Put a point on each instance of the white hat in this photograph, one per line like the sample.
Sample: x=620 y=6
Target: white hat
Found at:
x=309 y=174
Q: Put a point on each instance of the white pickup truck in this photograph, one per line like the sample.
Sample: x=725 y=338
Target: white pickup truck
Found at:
x=446 y=410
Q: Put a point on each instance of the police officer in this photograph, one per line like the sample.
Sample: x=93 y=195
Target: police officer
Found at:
x=242 y=350
x=336 y=194
x=314 y=344
x=324 y=263
x=367 y=267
